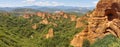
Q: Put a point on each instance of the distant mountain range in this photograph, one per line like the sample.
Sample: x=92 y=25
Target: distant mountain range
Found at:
x=47 y=9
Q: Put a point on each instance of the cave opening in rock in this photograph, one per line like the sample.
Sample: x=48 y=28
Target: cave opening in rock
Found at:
x=110 y=16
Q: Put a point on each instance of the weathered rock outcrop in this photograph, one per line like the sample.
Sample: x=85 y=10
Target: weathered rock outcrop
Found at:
x=45 y=21
x=65 y=16
x=79 y=38
x=27 y=15
x=104 y=20
x=50 y=33
x=73 y=17
x=34 y=26
x=41 y=14
x=79 y=24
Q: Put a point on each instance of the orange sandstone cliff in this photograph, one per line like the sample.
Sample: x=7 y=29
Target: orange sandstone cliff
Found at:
x=104 y=20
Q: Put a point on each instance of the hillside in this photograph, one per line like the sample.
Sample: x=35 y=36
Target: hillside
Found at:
x=18 y=31
x=36 y=30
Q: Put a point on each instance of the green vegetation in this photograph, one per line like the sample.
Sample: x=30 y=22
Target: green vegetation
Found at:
x=16 y=31
x=108 y=41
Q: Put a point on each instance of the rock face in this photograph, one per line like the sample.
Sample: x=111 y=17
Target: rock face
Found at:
x=104 y=20
x=78 y=39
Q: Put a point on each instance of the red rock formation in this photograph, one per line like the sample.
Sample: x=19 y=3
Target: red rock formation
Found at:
x=26 y=16
x=41 y=14
x=104 y=20
x=34 y=26
x=53 y=17
x=79 y=23
x=79 y=38
x=60 y=12
x=73 y=17
x=54 y=24
x=45 y=21
x=50 y=33
x=65 y=16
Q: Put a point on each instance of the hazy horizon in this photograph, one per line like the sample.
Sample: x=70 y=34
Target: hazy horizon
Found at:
x=22 y=3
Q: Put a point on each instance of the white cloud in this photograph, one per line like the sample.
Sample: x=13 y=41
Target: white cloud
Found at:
x=3 y=4
x=29 y=1
x=48 y=3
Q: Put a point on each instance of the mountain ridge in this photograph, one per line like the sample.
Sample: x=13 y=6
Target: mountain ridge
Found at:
x=50 y=8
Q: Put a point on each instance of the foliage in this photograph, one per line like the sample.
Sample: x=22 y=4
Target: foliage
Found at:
x=16 y=31
x=108 y=41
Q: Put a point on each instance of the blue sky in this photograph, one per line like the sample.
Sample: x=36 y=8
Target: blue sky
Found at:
x=19 y=3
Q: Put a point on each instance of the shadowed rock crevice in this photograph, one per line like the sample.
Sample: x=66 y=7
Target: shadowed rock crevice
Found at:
x=111 y=14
